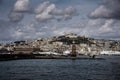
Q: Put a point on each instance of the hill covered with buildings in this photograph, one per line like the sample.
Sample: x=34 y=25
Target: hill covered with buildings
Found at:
x=60 y=44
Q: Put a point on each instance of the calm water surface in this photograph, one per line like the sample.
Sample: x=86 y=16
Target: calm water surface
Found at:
x=61 y=69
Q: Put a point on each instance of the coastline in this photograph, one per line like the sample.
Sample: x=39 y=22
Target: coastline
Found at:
x=7 y=57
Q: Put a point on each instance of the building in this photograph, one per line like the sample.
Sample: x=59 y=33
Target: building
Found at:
x=71 y=35
x=23 y=50
x=57 y=43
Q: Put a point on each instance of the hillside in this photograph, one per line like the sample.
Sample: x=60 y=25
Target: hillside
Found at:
x=62 y=43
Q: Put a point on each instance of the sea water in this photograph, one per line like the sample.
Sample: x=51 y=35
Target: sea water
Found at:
x=61 y=69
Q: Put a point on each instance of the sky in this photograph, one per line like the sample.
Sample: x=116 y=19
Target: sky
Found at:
x=33 y=19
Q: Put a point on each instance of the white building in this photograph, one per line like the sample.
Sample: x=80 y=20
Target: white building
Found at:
x=71 y=35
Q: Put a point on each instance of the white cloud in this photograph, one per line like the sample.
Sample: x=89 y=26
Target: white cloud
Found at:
x=107 y=27
x=25 y=31
x=44 y=16
x=102 y=29
x=50 y=8
x=18 y=34
x=21 y=5
x=47 y=11
x=40 y=8
x=28 y=31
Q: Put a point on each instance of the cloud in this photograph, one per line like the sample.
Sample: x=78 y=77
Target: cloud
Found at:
x=21 y=6
x=40 y=8
x=45 y=11
x=62 y=31
x=107 y=29
x=102 y=29
x=48 y=11
x=30 y=30
x=15 y=16
x=70 y=10
x=44 y=16
x=17 y=13
x=107 y=26
x=109 y=10
x=14 y=31
x=24 y=32
x=57 y=12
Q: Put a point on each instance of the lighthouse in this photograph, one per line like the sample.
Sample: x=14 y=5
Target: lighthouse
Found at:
x=73 y=53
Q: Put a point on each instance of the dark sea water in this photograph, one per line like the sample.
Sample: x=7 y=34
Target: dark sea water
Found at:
x=61 y=69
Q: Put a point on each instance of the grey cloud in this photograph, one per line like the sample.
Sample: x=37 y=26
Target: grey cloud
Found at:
x=13 y=31
x=17 y=13
x=57 y=12
x=25 y=31
x=98 y=28
x=108 y=29
x=15 y=16
x=44 y=15
x=112 y=36
x=45 y=11
x=31 y=30
x=110 y=9
x=70 y=10
x=102 y=29
x=48 y=11
x=66 y=13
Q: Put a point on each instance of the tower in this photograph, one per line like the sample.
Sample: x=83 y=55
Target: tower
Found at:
x=73 y=53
